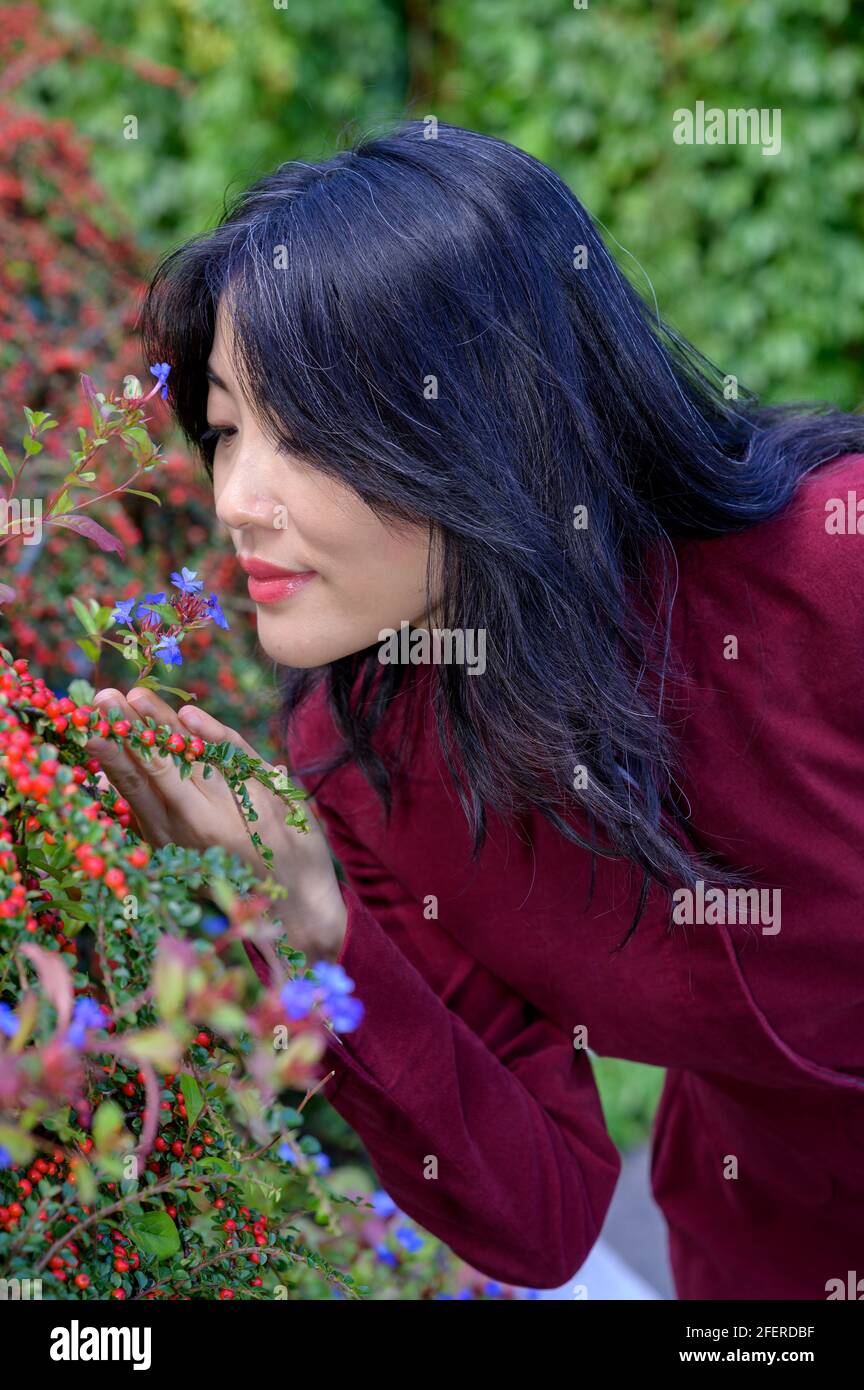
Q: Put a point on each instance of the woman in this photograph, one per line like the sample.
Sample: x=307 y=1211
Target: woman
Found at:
x=431 y=403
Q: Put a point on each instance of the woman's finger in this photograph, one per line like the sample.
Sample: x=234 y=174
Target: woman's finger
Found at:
x=157 y=773
x=198 y=721
x=128 y=779
x=145 y=703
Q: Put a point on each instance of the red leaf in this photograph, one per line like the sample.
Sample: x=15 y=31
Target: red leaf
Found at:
x=86 y=526
x=56 y=981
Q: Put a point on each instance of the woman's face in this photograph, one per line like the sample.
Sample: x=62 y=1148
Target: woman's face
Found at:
x=346 y=575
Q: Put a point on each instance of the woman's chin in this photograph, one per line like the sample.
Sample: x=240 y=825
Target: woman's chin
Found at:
x=303 y=651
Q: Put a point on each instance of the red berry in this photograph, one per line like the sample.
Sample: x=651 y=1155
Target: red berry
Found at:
x=82 y=1280
x=226 y=1293
x=121 y=727
x=177 y=1148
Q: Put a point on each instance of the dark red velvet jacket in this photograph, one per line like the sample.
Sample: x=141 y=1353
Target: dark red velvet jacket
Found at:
x=466 y=1051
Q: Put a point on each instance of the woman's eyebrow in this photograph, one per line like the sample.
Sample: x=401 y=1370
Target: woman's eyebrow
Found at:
x=217 y=380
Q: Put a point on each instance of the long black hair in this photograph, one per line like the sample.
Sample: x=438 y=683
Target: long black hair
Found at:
x=432 y=317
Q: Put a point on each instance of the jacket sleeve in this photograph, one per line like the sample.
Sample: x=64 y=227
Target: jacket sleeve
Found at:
x=480 y=1119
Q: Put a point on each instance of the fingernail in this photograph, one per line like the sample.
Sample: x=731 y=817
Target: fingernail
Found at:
x=107 y=697
x=192 y=720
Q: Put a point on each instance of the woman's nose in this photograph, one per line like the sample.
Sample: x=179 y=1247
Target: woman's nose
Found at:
x=244 y=501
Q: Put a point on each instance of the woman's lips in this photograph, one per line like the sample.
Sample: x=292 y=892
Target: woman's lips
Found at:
x=268 y=584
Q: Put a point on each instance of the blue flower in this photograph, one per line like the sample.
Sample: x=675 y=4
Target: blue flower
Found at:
x=464 y=1293
x=86 y=1014
x=531 y=1293
x=122 y=612
x=160 y=370
x=144 y=606
x=298 y=997
x=214 y=923
x=333 y=978
x=383 y=1203
x=386 y=1256
x=409 y=1238
x=5 y=1158
x=186 y=581
x=345 y=1014
x=214 y=611
x=331 y=989
x=322 y=1163
x=493 y=1289
x=8 y=1021
x=168 y=651
x=285 y=1151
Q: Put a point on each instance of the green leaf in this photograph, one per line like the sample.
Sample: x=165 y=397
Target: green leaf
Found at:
x=155 y=1234
x=192 y=1096
x=155 y=1045
x=19 y=1145
x=5 y=464
x=173 y=690
x=85 y=1182
x=81 y=691
x=167 y=612
x=89 y=648
x=31 y=445
x=107 y=1122
x=139 y=492
x=84 y=616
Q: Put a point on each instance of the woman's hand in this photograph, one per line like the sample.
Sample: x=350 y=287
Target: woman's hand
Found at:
x=198 y=813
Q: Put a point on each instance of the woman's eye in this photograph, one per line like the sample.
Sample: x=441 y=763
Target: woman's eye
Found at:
x=217 y=432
